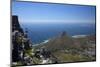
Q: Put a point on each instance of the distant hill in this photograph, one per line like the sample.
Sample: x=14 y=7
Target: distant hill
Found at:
x=65 y=41
x=68 y=49
x=61 y=42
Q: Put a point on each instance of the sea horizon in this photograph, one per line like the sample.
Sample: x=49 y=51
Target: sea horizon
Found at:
x=39 y=32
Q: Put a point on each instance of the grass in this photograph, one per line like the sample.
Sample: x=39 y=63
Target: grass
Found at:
x=63 y=57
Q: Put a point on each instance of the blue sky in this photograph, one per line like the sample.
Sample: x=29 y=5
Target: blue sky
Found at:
x=30 y=12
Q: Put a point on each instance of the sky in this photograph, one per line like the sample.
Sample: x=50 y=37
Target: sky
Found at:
x=32 y=12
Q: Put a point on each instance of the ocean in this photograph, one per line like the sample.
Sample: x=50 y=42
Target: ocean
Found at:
x=41 y=32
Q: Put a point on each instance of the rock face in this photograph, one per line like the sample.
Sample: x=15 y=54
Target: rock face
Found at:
x=15 y=27
x=20 y=41
x=15 y=24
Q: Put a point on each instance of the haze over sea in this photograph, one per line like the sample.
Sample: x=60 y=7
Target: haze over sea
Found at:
x=40 y=32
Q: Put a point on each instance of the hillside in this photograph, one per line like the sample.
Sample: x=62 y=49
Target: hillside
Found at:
x=60 y=42
x=68 y=49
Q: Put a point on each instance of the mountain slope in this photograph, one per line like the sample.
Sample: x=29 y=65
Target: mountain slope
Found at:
x=60 y=42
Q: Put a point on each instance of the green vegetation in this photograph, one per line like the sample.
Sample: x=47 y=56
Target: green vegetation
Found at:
x=64 y=57
x=68 y=49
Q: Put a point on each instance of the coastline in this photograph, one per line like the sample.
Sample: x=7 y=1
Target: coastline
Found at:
x=79 y=36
